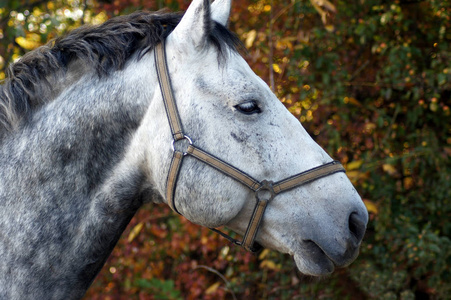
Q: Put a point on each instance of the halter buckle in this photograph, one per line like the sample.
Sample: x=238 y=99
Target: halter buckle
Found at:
x=185 y=138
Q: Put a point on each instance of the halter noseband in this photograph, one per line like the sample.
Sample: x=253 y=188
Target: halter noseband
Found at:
x=264 y=190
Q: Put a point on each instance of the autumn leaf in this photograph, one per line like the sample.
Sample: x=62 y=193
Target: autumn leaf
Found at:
x=30 y=42
x=389 y=169
x=370 y=206
x=354 y=165
x=263 y=254
x=134 y=232
x=250 y=38
x=269 y=264
x=212 y=288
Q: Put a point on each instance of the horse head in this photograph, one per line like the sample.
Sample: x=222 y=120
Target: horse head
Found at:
x=228 y=111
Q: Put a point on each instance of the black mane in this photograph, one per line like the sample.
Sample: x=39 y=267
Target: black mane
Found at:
x=106 y=47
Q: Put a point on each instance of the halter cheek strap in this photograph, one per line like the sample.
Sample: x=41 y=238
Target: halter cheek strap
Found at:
x=264 y=190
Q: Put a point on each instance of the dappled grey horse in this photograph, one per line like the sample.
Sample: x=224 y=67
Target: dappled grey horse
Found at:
x=155 y=107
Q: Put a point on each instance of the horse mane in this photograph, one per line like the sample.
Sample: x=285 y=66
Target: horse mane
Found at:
x=106 y=48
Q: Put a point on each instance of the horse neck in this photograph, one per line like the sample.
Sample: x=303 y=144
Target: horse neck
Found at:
x=69 y=171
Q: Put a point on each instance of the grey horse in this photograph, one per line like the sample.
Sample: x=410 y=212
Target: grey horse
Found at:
x=85 y=141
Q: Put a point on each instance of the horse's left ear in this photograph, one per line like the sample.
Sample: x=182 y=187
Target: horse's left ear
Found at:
x=194 y=27
x=220 y=11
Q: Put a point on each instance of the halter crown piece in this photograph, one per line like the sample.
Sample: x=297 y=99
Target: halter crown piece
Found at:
x=264 y=190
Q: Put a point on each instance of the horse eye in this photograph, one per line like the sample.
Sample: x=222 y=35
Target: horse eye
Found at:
x=248 y=108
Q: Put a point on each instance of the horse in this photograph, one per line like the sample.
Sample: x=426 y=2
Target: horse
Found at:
x=156 y=108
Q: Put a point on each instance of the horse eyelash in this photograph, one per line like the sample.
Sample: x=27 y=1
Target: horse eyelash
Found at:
x=248 y=108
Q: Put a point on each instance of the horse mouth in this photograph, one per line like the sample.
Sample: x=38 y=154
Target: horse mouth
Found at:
x=313 y=260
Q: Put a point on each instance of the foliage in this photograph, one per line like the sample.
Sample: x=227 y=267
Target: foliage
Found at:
x=371 y=81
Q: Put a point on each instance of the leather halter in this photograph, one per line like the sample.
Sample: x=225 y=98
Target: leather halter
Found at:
x=264 y=190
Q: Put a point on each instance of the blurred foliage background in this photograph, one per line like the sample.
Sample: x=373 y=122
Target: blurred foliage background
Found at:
x=370 y=80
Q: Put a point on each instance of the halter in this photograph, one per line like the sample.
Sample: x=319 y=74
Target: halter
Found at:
x=264 y=190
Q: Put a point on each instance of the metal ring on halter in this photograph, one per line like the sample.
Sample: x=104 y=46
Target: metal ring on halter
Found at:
x=185 y=137
x=266 y=186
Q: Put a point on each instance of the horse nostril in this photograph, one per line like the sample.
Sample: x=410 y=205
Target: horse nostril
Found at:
x=357 y=226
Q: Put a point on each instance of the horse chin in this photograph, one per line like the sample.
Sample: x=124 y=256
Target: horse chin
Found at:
x=313 y=261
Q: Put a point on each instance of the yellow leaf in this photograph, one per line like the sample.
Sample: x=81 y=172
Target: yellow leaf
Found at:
x=330 y=28
x=352 y=101
x=326 y=4
x=353 y=175
x=27 y=44
x=354 y=165
x=135 y=231
x=212 y=288
x=370 y=126
x=389 y=169
x=370 y=206
x=263 y=254
x=269 y=264
x=319 y=5
x=251 y=35
x=100 y=18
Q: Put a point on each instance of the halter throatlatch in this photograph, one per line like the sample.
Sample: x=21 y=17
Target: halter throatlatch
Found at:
x=264 y=190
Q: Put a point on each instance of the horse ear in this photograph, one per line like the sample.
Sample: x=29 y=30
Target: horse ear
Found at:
x=194 y=27
x=220 y=11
